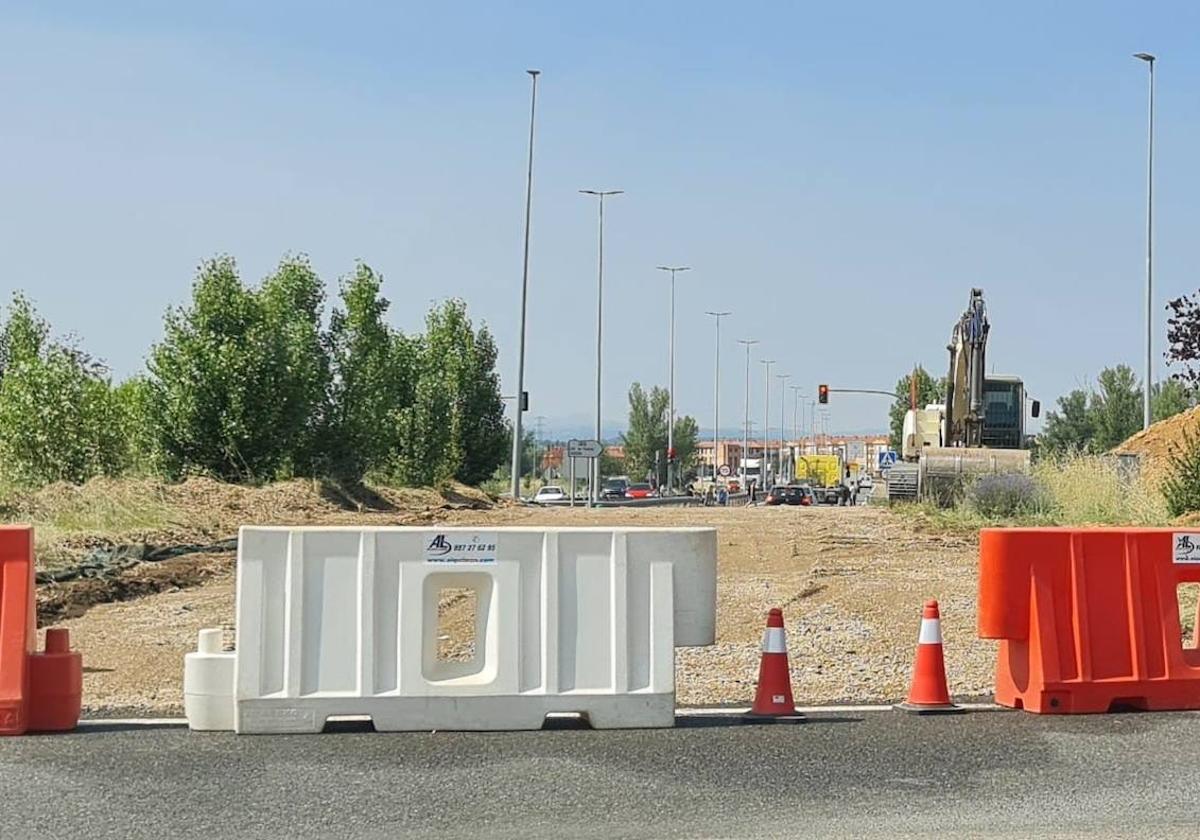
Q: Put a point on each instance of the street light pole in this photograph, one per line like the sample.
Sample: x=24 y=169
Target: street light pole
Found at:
x=796 y=395
x=748 y=343
x=766 y=419
x=594 y=466
x=783 y=378
x=812 y=425
x=1149 y=59
x=717 y=316
x=671 y=380
x=520 y=401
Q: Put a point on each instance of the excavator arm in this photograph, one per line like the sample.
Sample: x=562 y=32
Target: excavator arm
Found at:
x=963 y=422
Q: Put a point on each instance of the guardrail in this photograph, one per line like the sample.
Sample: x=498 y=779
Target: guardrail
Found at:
x=653 y=501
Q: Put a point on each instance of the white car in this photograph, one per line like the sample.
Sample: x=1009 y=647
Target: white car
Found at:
x=550 y=493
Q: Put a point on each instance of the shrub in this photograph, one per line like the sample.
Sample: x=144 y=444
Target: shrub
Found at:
x=1006 y=495
x=58 y=418
x=1181 y=487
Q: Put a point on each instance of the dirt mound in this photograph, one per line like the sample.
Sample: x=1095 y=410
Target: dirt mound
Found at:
x=117 y=539
x=1154 y=445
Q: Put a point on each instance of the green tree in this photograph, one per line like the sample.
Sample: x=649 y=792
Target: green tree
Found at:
x=132 y=400
x=58 y=418
x=531 y=450
x=611 y=465
x=1116 y=407
x=929 y=390
x=466 y=362
x=1170 y=397
x=645 y=440
x=232 y=392
x=293 y=302
x=455 y=426
x=1072 y=427
x=372 y=380
x=687 y=434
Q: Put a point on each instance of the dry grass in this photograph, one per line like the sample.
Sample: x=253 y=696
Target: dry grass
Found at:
x=1097 y=490
x=70 y=520
x=1074 y=489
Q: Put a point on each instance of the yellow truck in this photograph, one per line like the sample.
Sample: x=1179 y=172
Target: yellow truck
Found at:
x=819 y=470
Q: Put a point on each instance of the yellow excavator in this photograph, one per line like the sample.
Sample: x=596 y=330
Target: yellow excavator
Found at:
x=979 y=429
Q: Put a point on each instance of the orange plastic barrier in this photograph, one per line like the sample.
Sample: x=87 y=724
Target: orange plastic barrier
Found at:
x=1089 y=618
x=40 y=692
x=18 y=619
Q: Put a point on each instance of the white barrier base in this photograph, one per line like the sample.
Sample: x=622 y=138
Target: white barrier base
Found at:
x=471 y=714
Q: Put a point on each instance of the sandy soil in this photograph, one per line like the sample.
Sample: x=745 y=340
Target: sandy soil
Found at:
x=851 y=582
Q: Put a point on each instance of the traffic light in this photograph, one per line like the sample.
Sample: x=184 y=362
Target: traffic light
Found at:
x=822 y=394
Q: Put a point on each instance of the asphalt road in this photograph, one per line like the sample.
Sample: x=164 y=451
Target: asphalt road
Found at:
x=863 y=775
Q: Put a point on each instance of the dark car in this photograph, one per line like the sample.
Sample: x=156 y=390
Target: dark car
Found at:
x=614 y=489
x=789 y=495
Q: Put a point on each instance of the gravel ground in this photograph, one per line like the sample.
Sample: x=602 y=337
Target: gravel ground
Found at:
x=851 y=582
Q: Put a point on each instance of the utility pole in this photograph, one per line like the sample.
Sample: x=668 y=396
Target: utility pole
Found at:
x=717 y=316
x=783 y=378
x=594 y=463
x=748 y=343
x=766 y=421
x=796 y=395
x=671 y=381
x=520 y=400
x=1149 y=377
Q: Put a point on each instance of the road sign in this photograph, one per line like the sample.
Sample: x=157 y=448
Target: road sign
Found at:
x=725 y=471
x=887 y=458
x=584 y=449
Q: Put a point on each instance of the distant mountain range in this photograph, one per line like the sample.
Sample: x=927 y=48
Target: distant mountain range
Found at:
x=568 y=429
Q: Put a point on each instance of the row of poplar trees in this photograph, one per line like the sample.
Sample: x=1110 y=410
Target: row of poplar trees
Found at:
x=252 y=384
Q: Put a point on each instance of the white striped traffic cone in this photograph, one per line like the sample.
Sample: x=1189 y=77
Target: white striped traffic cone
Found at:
x=774 y=695
x=929 y=693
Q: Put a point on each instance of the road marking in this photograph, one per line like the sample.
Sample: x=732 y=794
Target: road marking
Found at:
x=717 y=711
x=102 y=722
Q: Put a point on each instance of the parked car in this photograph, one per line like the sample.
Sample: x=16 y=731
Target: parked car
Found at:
x=639 y=491
x=550 y=493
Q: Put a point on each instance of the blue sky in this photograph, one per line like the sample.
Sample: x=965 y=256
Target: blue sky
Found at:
x=838 y=175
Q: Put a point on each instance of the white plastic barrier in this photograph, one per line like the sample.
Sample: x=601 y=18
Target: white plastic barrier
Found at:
x=345 y=621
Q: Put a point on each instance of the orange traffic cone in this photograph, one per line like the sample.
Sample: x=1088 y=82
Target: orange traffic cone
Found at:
x=774 y=696
x=929 y=693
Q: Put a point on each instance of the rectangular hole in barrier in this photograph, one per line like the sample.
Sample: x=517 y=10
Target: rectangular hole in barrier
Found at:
x=458 y=612
x=1188 y=594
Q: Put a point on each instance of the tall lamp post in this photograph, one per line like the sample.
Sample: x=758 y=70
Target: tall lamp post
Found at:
x=520 y=401
x=594 y=468
x=783 y=378
x=748 y=343
x=671 y=379
x=1149 y=59
x=762 y=471
x=717 y=316
x=796 y=395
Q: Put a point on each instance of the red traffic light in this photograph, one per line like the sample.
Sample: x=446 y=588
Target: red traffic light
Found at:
x=822 y=393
